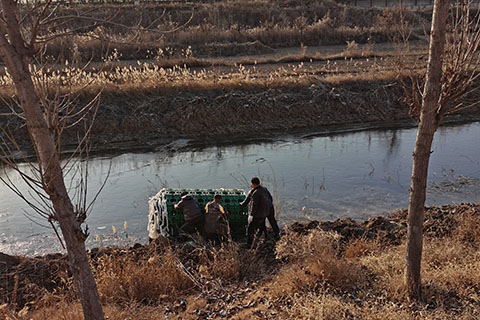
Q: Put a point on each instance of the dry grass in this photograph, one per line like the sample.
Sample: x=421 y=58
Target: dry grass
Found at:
x=468 y=229
x=239 y=27
x=223 y=262
x=227 y=262
x=359 y=248
x=317 y=279
x=151 y=76
x=449 y=269
x=126 y=279
x=388 y=269
x=452 y=266
x=323 y=306
x=73 y=311
x=312 y=261
x=215 y=27
x=449 y=273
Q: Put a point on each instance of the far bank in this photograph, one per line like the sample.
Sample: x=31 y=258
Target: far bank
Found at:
x=152 y=119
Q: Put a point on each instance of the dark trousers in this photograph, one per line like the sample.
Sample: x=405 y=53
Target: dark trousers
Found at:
x=256 y=226
x=273 y=223
x=192 y=226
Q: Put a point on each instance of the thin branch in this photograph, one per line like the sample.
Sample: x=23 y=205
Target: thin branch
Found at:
x=99 y=190
x=56 y=232
x=12 y=187
x=32 y=220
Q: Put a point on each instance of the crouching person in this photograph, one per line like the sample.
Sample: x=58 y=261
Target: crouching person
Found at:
x=192 y=214
x=216 y=220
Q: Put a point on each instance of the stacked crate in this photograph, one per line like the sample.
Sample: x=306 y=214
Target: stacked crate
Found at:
x=165 y=220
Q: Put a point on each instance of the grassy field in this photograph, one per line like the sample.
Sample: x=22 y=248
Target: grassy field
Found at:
x=319 y=270
x=224 y=44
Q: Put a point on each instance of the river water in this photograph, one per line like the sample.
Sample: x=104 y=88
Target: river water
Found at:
x=353 y=175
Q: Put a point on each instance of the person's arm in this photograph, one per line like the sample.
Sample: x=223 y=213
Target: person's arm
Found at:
x=269 y=197
x=226 y=213
x=255 y=203
x=220 y=207
x=179 y=205
x=247 y=198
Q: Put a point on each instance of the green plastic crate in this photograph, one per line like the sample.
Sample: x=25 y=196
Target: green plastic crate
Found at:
x=164 y=219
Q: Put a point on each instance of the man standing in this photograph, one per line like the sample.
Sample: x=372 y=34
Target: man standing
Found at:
x=191 y=213
x=261 y=206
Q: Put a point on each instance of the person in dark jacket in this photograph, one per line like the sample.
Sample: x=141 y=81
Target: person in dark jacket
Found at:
x=216 y=220
x=259 y=209
x=191 y=213
x=271 y=214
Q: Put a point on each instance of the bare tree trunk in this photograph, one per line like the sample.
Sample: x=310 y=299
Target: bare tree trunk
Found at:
x=16 y=57
x=421 y=155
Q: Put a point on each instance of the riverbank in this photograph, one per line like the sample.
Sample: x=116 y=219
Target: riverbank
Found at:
x=155 y=120
x=235 y=71
x=331 y=270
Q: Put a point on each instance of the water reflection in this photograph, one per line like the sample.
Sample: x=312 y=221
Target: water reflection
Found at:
x=324 y=177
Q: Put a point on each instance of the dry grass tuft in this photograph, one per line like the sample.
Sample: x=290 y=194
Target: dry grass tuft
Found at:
x=123 y=279
x=448 y=267
x=312 y=260
x=451 y=266
x=360 y=247
x=228 y=262
x=59 y=311
x=387 y=267
x=449 y=274
x=73 y=311
x=323 y=306
x=468 y=229
x=223 y=262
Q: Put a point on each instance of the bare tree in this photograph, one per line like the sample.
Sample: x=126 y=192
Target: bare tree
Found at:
x=45 y=126
x=451 y=73
x=45 y=102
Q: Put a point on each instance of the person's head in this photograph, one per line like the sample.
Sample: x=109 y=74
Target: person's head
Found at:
x=183 y=194
x=217 y=198
x=255 y=182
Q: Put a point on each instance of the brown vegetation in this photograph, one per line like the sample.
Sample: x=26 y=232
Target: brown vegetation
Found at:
x=221 y=28
x=321 y=270
x=142 y=104
x=186 y=81
x=325 y=270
